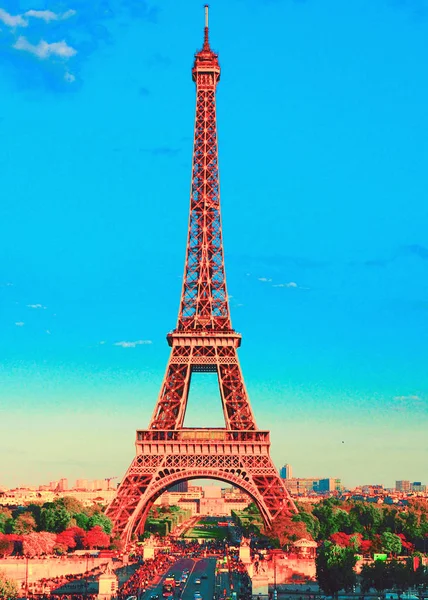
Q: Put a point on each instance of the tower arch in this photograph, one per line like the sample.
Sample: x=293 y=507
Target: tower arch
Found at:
x=138 y=520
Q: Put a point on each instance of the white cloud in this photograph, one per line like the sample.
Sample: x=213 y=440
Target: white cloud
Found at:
x=11 y=20
x=36 y=306
x=133 y=344
x=20 y=324
x=101 y=343
x=48 y=332
x=265 y=279
x=49 y=15
x=69 y=77
x=44 y=49
x=290 y=284
x=410 y=398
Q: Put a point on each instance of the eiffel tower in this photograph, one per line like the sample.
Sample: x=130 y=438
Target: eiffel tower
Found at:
x=203 y=341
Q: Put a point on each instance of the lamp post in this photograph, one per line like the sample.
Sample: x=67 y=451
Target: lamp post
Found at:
x=275 y=591
x=86 y=575
x=26 y=575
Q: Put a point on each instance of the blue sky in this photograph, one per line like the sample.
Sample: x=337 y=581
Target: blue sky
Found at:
x=323 y=136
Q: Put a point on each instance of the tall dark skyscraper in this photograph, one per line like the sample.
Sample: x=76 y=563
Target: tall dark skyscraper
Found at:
x=286 y=472
x=183 y=486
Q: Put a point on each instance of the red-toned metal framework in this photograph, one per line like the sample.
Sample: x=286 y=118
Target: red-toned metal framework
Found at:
x=202 y=341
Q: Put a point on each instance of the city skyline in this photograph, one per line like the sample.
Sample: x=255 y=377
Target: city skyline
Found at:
x=64 y=484
x=326 y=272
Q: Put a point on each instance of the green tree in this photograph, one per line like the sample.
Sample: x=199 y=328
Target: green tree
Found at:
x=24 y=523
x=252 y=509
x=6 y=545
x=47 y=519
x=8 y=588
x=101 y=520
x=335 y=568
x=368 y=516
x=391 y=543
x=376 y=575
x=54 y=519
x=82 y=520
x=401 y=575
x=5 y=519
x=311 y=522
x=343 y=521
x=392 y=520
x=35 y=509
x=62 y=519
x=328 y=523
x=71 y=505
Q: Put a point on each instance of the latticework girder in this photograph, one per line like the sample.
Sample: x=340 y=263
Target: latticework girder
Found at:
x=203 y=341
x=244 y=463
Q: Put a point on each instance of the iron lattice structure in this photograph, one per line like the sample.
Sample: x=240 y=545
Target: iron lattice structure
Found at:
x=202 y=341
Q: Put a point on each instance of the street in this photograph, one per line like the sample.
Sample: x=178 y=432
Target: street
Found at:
x=198 y=567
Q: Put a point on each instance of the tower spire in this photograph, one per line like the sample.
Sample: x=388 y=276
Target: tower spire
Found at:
x=206 y=40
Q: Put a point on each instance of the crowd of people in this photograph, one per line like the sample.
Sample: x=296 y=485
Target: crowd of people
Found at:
x=146 y=574
x=46 y=587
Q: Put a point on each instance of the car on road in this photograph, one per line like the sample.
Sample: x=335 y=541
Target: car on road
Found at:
x=154 y=597
x=197 y=581
x=204 y=576
x=197 y=596
x=132 y=598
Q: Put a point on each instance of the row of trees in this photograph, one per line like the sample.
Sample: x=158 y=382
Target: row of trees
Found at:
x=361 y=526
x=38 y=543
x=382 y=576
x=162 y=520
x=335 y=569
x=54 y=517
x=53 y=527
x=376 y=527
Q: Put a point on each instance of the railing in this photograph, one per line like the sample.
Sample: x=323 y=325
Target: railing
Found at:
x=202 y=435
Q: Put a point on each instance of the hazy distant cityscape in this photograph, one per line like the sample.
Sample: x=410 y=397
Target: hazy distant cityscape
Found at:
x=213 y=499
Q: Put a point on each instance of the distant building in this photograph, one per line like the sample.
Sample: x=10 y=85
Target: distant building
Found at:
x=195 y=488
x=99 y=484
x=81 y=484
x=183 y=486
x=312 y=485
x=329 y=484
x=417 y=486
x=403 y=485
x=300 y=486
x=376 y=489
x=62 y=485
x=53 y=485
x=286 y=472
x=212 y=492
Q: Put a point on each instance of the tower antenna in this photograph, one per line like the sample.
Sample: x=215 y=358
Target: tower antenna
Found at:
x=206 y=42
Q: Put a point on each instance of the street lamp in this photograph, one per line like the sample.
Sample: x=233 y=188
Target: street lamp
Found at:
x=275 y=591
x=86 y=578
x=26 y=575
